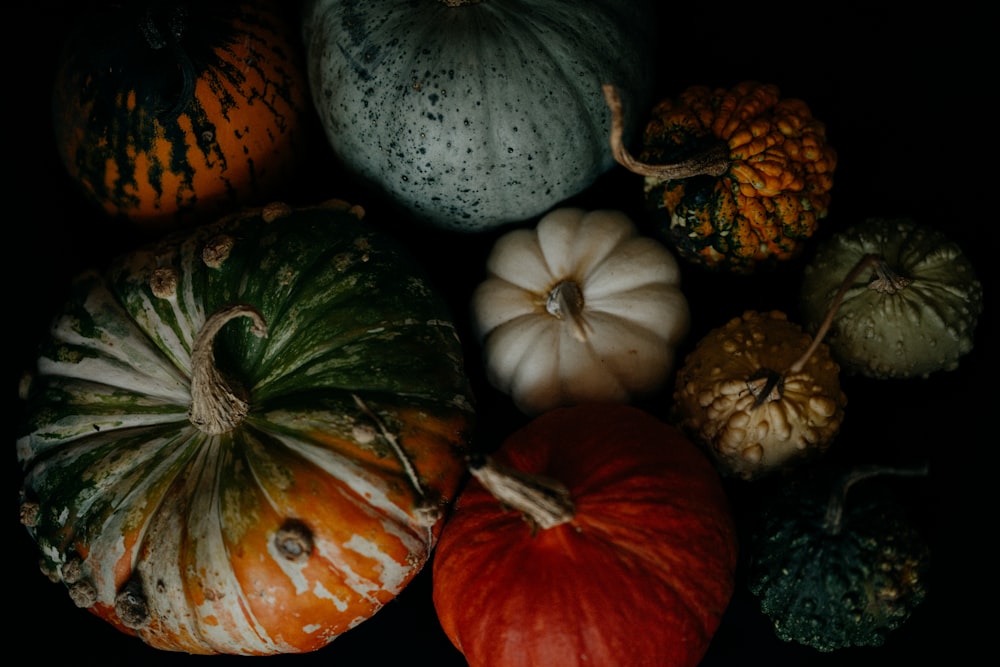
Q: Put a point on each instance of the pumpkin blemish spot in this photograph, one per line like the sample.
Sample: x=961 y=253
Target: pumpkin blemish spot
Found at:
x=217 y=250
x=294 y=540
x=163 y=282
x=130 y=604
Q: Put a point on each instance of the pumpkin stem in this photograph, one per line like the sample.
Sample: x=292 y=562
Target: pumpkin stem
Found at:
x=565 y=301
x=713 y=161
x=833 y=520
x=218 y=404
x=885 y=280
x=765 y=385
x=544 y=501
x=864 y=263
x=427 y=512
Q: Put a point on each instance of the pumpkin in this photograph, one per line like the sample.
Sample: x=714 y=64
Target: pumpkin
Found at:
x=913 y=314
x=580 y=308
x=242 y=437
x=595 y=535
x=760 y=395
x=835 y=565
x=470 y=114
x=734 y=179
x=173 y=113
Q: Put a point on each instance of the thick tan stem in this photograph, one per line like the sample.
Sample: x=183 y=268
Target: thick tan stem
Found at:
x=217 y=403
x=711 y=162
x=544 y=501
x=565 y=302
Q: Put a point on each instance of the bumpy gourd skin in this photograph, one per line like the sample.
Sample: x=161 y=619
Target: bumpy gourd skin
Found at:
x=832 y=591
x=774 y=193
x=921 y=324
x=751 y=427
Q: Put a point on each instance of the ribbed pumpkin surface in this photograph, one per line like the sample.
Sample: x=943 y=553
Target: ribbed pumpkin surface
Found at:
x=302 y=520
x=640 y=575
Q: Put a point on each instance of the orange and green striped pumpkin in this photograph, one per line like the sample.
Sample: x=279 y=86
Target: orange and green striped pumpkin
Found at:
x=242 y=438
x=171 y=113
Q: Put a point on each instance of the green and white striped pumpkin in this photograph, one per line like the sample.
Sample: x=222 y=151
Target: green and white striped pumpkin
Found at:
x=241 y=439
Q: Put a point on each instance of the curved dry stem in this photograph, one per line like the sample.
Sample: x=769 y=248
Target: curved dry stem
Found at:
x=833 y=520
x=712 y=162
x=217 y=403
x=864 y=263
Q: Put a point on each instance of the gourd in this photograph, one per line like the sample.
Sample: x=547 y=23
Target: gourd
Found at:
x=760 y=395
x=913 y=314
x=475 y=114
x=734 y=179
x=579 y=308
x=595 y=535
x=167 y=114
x=242 y=438
x=837 y=565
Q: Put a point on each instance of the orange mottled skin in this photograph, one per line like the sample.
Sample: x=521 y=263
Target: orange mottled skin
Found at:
x=774 y=193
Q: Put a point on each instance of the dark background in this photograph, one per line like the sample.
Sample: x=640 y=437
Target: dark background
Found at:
x=914 y=136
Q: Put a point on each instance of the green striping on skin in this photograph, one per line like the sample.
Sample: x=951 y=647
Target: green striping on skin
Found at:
x=360 y=354
x=144 y=106
x=162 y=79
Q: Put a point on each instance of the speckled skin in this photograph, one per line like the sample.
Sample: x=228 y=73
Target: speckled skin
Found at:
x=832 y=591
x=480 y=115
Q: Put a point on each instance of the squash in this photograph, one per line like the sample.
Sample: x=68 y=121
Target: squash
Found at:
x=734 y=179
x=242 y=438
x=469 y=114
x=173 y=113
x=580 y=308
x=595 y=535
x=760 y=395
x=913 y=314
x=835 y=565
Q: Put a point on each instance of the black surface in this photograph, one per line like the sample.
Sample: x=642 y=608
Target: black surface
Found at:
x=910 y=126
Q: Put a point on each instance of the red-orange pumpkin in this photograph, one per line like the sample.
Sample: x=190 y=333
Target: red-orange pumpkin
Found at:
x=169 y=113
x=622 y=552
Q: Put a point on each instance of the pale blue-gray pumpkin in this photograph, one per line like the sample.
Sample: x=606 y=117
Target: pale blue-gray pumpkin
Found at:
x=472 y=114
x=241 y=439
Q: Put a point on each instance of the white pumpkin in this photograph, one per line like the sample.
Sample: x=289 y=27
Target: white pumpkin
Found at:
x=474 y=114
x=581 y=308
